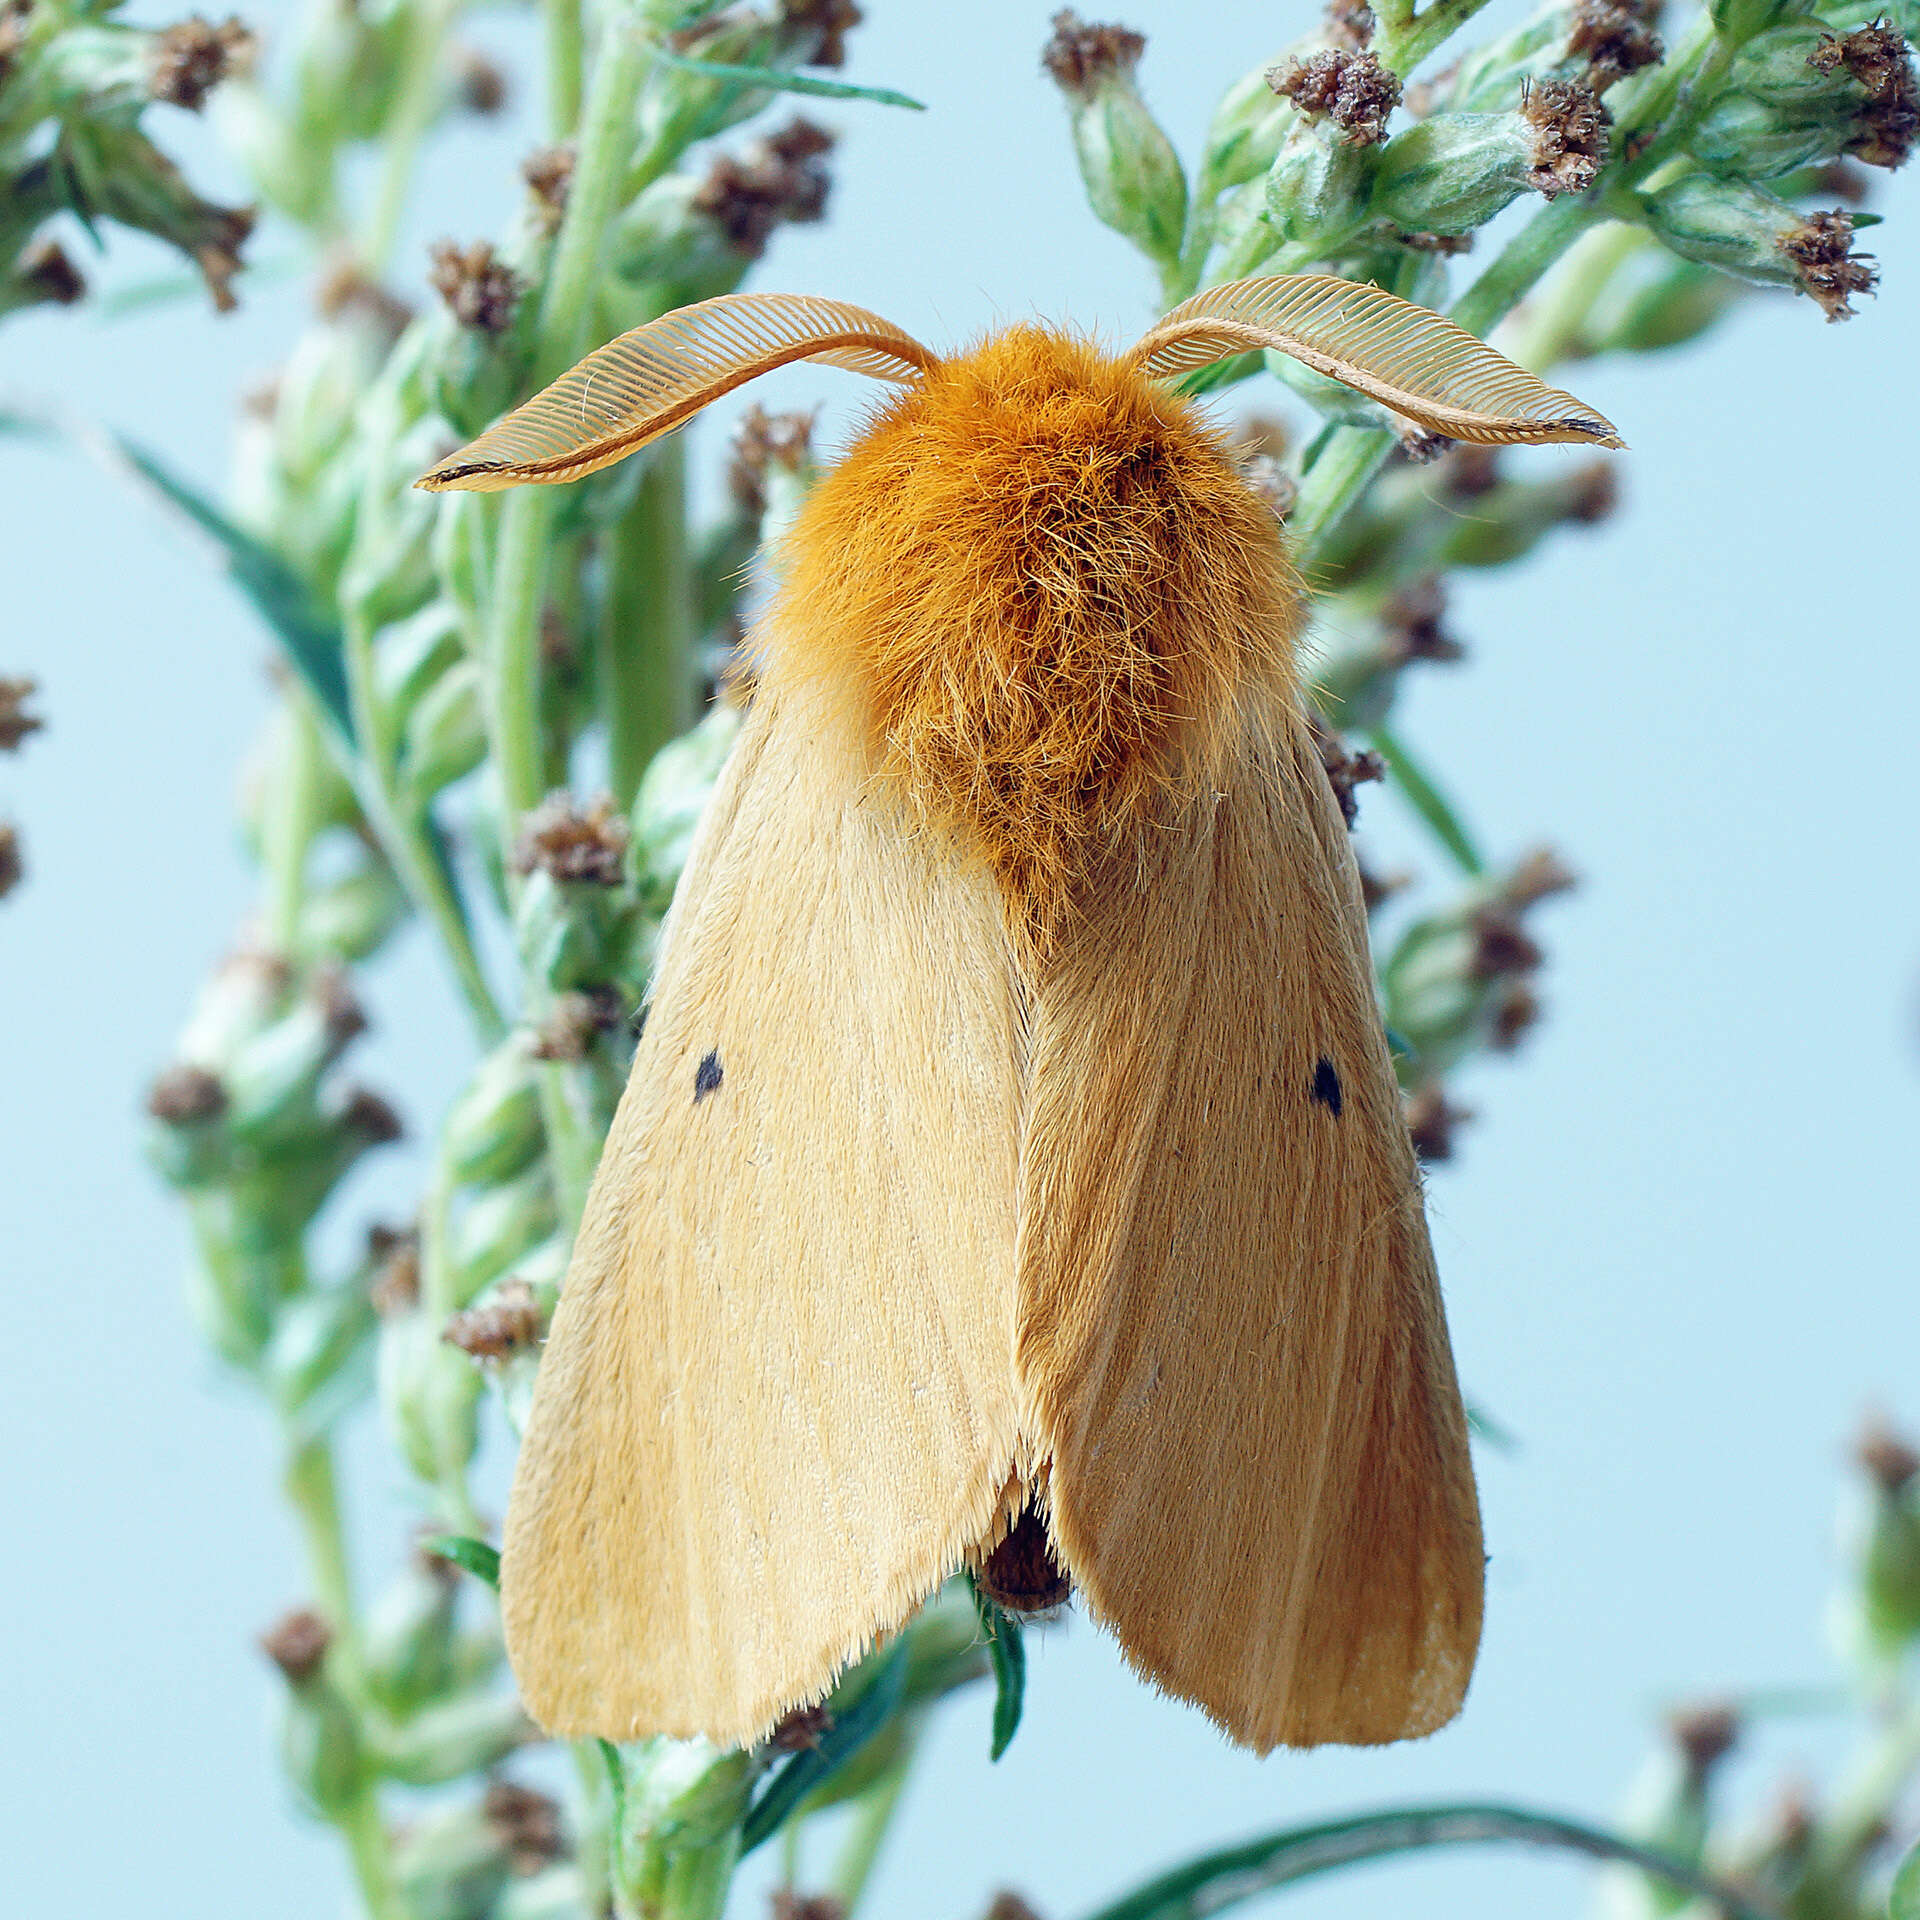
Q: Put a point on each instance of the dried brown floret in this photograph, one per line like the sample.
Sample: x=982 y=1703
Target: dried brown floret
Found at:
x=1593 y=494
x=576 y=1021
x=1445 y=244
x=186 y=1096
x=1352 y=89
x=1516 y=1012
x=13 y=866
x=802 y=1730
x=1876 y=56
x=1502 y=947
x=480 y=289
x=1705 y=1735
x=1471 y=471
x=1539 y=875
x=1345 y=769
x=1886 y=1457
x=1412 y=622
x=1614 y=40
x=297 y=1644
x=345 y=289
x=1569 y=136
x=781 y=178
x=45 y=272
x=372 y=1117
x=1821 y=249
x=395 y=1252
x=15 y=721
x=583 y=846
x=526 y=1823
x=1008 y=1905
x=508 y=1323
x=1349 y=24
x=760 y=441
x=480 y=81
x=829 y=21
x=548 y=171
x=1081 y=56
x=1421 y=446
x=1431 y=1120
x=186 y=62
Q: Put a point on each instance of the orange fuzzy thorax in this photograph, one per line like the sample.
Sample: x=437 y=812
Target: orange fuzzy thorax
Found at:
x=1050 y=594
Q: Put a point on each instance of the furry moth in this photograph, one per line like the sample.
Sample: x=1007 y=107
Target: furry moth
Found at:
x=1012 y=1171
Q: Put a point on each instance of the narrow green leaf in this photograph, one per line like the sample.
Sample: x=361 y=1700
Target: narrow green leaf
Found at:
x=1497 y=1434
x=479 y=1559
x=1220 y=1880
x=1903 y=1902
x=779 y=80
x=307 y=633
x=617 y=1794
x=1007 y=1650
x=1428 y=802
x=812 y=1768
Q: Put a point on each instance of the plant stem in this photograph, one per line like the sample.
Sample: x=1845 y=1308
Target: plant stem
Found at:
x=566 y=61
x=872 y=1817
x=366 y=1836
x=1342 y=473
x=288 y=829
x=313 y=1493
x=1409 y=40
x=1521 y=262
x=646 y=625
x=420 y=91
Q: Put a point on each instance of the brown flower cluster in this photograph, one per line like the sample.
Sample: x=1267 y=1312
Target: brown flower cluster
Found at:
x=1352 y=89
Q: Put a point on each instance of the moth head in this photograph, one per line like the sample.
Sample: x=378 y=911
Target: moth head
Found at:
x=649 y=381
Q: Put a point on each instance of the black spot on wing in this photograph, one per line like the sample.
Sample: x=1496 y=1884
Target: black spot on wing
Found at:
x=707 y=1078
x=1326 y=1086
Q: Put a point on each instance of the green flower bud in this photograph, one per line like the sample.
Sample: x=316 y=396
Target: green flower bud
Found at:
x=493 y=1130
x=320 y=1743
x=1452 y=172
x=233 y=1295
x=1778 y=68
x=449 y=1863
x=1246 y=130
x=460 y=1736
x=408 y=1643
x=389 y=569
x=1739 y=20
x=1318 y=185
x=554 y=1893
x=429 y=1396
x=413 y=655
x=315 y=1364
x=1746 y=231
x=680 y=1839
x=1132 y=175
x=1878 y=1616
x=498 y=1227
x=446 y=736
x=1668 y=1811
x=354 y=916
x=273 y=1079
x=673 y=794
x=1741 y=137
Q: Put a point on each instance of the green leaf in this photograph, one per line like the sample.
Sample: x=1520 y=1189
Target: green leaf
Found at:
x=779 y=80
x=1428 y=802
x=1008 y=1652
x=1903 y=1901
x=617 y=1796
x=1217 y=1881
x=812 y=1768
x=1496 y=1433
x=479 y=1559
x=307 y=633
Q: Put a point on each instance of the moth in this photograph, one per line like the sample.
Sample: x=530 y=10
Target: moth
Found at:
x=1012 y=1173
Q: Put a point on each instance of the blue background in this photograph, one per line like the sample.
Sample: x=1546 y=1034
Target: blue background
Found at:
x=1677 y=1244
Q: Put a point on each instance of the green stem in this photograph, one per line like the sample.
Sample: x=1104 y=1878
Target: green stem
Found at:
x=1344 y=470
x=366 y=1836
x=313 y=1493
x=1862 y=1808
x=289 y=825
x=872 y=1816
x=566 y=62
x=420 y=92
x=1521 y=262
x=521 y=556
x=646 y=626
x=1404 y=45
x=404 y=834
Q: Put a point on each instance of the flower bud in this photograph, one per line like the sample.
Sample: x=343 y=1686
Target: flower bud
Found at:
x=1132 y=175
x=315 y=1362
x=1878 y=1618
x=1245 y=133
x=273 y=1079
x=554 y=1893
x=1741 y=137
x=464 y=1735
x=1316 y=190
x=249 y=988
x=189 y=1146
x=354 y=916
x=450 y=1864
x=493 y=1130
x=498 y=1226
x=1668 y=1811
x=1736 y=21
x=685 y=1800
x=1452 y=172
x=407 y=1644
x=446 y=735
x=673 y=794
x=320 y=1743
x=429 y=1395
x=1744 y=230
x=1780 y=68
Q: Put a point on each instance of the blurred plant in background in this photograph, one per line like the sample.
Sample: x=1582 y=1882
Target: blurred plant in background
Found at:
x=501 y=716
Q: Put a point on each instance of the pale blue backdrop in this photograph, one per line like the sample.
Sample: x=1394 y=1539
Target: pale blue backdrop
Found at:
x=1677 y=1246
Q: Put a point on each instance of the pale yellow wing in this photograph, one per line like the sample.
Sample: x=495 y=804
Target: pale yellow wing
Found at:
x=777 y=1405
x=1230 y=1324
x=1409 y=358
